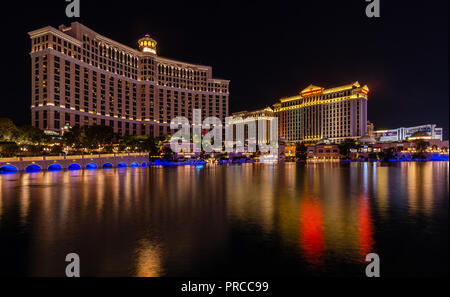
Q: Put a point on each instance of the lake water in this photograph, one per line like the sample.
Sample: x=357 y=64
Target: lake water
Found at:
x=231 y=220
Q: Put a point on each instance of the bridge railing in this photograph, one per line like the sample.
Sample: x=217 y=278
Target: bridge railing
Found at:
x=69 y=157
x=51 y=158
x=32 y=158
x=74 y=157
x=10 y=159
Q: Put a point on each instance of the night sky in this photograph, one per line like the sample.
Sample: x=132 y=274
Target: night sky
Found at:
x=267 y=49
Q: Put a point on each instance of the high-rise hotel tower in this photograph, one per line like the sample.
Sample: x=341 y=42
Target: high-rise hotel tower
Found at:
x=316 y=114
x=80 y=77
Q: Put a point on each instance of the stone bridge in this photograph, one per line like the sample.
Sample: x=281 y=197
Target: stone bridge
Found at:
x=75 y=162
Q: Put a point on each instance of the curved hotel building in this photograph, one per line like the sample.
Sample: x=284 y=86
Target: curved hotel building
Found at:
x=80 y=77
x=317 y=113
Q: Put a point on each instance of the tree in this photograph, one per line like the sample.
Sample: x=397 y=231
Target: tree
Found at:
x=90 y=137
x=129 y=143
x=56 y=149
x=33 y=135
x=8 y=131
x=8 y=149
x=167 y=153
x=152 y=146
x=99 y=135
x=389 y=153
x=145 y=143
x=73 y=137
x=301 y=151
x=421 y=145
x=160 y=140
x=346 y=146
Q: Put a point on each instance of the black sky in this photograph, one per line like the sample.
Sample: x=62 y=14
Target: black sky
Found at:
x=267 y=49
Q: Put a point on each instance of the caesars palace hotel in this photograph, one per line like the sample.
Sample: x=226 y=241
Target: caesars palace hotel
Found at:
x=80 y=77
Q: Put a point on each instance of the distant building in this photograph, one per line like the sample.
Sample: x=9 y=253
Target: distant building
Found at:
x=425 y=132
x=80 y=78
x=370 y=129
x=323 y=151
x=317 y=113
x=257 y=118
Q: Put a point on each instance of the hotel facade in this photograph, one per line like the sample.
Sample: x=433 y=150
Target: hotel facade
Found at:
x=317 y=114
x=80 y=77
x=260 y=120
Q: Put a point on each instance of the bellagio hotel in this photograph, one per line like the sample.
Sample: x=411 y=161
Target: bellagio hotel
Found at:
x=80 y=77
x=317 y=114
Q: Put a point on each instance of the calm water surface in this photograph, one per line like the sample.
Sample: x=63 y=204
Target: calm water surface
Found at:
x=239 y=220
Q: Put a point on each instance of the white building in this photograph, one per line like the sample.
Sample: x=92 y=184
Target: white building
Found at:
x=429 y=131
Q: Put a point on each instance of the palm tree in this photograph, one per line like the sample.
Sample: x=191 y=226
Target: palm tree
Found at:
x=421 y=146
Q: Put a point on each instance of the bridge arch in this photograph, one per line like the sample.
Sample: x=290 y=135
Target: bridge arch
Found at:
x=33 y=168
x=74 y=166
x=107 y=165
x=54 y=167
x=91 y=166
x=144 y=164
x=122 y=165
x=8 y=169
x=134 y=164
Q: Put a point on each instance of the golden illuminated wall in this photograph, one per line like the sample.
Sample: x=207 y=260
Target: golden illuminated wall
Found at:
x=318 y=113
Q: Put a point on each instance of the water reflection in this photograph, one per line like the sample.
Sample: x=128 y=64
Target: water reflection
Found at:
x=292 y=219
x=148 y=262
x=365 y=228
x=312 y=239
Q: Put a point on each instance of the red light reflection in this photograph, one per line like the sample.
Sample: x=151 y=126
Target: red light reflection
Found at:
x=311 y=231
x=365 y=228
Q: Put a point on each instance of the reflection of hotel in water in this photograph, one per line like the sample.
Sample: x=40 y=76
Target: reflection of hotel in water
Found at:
x=321 y=220
x=318 y=113
x=315 y=217
x=80 y=77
